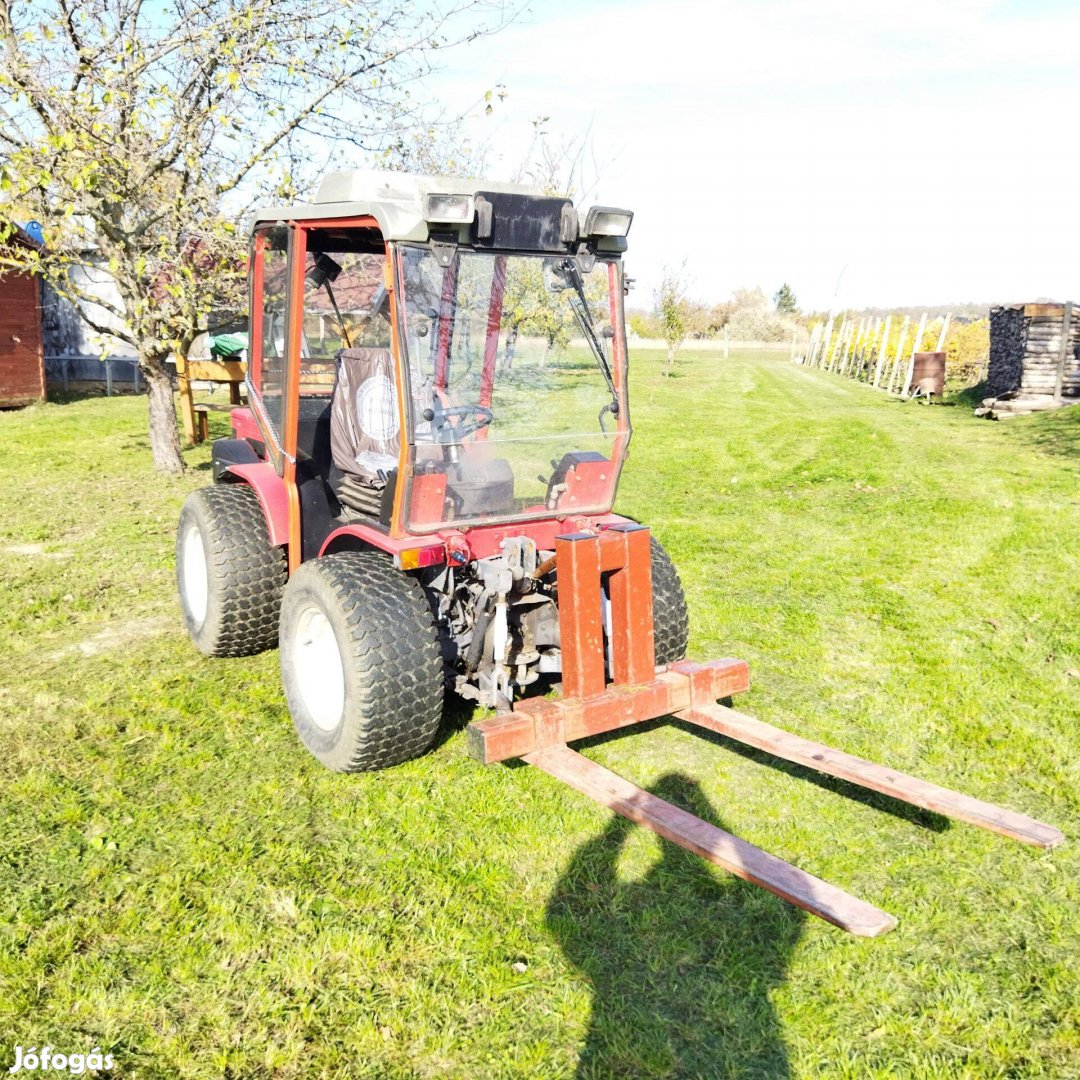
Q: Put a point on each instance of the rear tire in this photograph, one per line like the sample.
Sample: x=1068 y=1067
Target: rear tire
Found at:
x=229 y=575
x=671 y=622
x=360 y=661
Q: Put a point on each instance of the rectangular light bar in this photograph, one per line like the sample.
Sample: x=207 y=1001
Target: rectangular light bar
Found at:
x=607 y=221
x=449 y=209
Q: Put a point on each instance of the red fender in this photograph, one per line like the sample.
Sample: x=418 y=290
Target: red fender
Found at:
x=270 y=489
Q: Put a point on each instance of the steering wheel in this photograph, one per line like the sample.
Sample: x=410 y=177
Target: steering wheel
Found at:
x=441 y=415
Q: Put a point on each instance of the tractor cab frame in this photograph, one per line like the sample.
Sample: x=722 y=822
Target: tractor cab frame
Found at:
x=387 y=406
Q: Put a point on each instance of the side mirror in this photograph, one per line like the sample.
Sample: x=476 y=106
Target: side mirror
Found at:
x=324 y=270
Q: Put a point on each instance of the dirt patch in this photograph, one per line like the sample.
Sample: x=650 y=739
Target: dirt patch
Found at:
x=35 y=550
x=116 y=635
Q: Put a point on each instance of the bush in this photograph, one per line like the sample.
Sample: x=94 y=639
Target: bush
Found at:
x=967 y=350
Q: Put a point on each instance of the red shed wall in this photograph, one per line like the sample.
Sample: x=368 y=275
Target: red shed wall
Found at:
x=22 y=367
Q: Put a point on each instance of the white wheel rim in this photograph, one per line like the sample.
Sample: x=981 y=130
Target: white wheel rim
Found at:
x=320 y=674
x=196 y=578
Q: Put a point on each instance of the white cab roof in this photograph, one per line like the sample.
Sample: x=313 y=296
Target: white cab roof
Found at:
x=395 y=200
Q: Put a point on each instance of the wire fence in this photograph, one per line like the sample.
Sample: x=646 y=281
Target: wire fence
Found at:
x=117 y=374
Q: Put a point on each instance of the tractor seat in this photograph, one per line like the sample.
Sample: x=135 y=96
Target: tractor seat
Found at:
x=365 y=428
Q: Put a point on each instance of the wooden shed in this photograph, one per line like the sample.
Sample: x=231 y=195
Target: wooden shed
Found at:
x=22 y=362
x=1034 y=358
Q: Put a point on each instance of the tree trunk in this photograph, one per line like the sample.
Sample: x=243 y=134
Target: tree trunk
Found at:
x=511 y=347
x=670 y=358
x=164 y=439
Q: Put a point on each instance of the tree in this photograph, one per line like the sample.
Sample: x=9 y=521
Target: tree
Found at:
x=137 y=134
x=785 y=300
x=749 y=300
x=673 y=311
x=642 y=323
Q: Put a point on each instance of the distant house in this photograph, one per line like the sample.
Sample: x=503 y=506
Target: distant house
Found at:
x=66 y=333
x=22 y=362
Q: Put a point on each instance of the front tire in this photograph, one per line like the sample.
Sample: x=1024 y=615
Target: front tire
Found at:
x=229 y=575
x=360 y=661
x=671 y=621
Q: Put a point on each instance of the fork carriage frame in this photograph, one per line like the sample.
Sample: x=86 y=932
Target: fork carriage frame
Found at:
x=538 y=730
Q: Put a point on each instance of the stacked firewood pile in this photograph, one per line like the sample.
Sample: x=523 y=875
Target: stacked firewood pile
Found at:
x=1029 y=371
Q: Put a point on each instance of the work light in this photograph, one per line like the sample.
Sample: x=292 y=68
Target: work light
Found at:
x=448 y=209
x=607 y=221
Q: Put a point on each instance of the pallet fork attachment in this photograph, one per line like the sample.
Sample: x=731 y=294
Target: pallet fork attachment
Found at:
x=538 y=730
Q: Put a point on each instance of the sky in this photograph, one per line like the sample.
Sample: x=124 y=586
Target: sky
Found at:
x=866 y=153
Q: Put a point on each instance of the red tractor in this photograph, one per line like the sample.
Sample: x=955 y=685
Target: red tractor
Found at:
x=417 y=501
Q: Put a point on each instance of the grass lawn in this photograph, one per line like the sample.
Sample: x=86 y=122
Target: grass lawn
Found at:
x=183 y=886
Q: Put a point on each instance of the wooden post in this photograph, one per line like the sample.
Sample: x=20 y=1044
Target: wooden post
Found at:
x=1063 y=352
x=898 y=358
x=849 y=331
x=841 y=342
x=871 y=349
x=836 y=345
x=916 y=345
x=881 y=353
x=869 y=345
x=860 y=344
x=944 y=333
x=187 y=402
x=853 y=343
x=825 y=340
x=852 y=337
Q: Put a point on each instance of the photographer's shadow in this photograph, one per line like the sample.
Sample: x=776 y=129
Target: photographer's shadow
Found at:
x=682 y=962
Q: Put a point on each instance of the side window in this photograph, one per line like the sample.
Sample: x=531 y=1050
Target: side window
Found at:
x=345 y=303
x=275 y=279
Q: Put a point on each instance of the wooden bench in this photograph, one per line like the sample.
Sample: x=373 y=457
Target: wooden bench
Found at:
x=230 y=372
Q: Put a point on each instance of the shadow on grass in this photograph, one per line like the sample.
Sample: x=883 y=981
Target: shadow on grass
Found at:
x=1056 y=433
x=56 y=396
x=970 y=397
x=926 y=819
x=681 y=961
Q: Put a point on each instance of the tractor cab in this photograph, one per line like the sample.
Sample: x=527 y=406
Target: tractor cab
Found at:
x=411 y=364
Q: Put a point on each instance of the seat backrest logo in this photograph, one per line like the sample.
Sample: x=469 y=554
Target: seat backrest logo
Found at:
x=376 y=409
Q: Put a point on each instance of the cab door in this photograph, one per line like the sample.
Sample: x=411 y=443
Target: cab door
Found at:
x=271 y=248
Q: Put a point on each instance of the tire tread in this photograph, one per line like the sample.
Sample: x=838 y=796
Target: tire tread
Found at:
x=394 y=647
x=671 y=620
x=246 y=569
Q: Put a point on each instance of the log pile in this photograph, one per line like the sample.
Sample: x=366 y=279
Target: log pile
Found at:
x=1028 y=371
x=1007 y=326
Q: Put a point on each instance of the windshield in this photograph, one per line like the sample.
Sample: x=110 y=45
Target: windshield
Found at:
x=517 y=373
